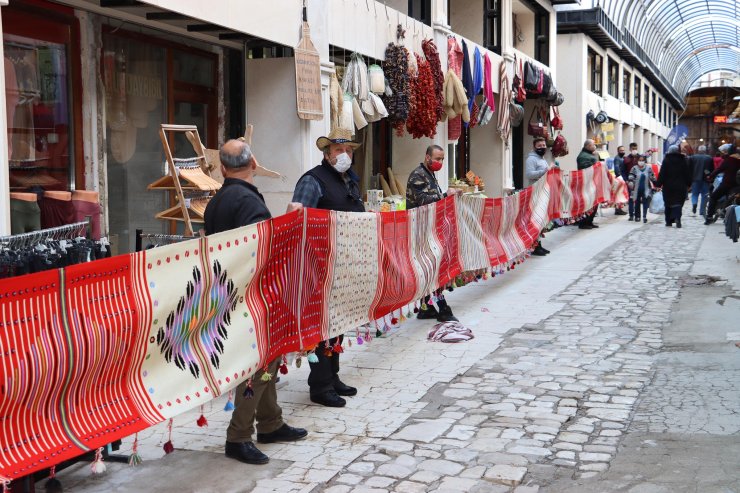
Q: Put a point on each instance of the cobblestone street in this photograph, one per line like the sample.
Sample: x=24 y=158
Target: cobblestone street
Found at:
x=609 y=365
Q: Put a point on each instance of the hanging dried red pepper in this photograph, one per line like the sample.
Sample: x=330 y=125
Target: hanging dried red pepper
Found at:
x=422 y=121
x=432 y=56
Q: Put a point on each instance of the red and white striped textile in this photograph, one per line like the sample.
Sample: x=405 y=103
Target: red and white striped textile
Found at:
x=98 y=351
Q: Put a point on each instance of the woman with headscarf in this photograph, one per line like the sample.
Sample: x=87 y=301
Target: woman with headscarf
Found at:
x=675 y=178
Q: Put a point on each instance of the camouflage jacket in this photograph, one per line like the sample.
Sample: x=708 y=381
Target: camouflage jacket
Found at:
x=422 y=188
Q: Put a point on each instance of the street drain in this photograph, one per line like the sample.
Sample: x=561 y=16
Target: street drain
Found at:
x=698 y=281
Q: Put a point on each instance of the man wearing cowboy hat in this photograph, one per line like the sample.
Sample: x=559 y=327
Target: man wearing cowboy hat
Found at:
x=331 y=185
x=238 y=203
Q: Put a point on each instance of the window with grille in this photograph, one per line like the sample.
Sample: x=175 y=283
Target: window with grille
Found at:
x=594 y=71
x=613 y=78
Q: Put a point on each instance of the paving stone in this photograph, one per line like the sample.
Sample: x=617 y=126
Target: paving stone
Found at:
x=377 y=458
x=505 y=474
x=394 y=470
x=475 y=472
x=410 y=487
x=426 y=477
x=460 y=455
x=444 y=467
x=538 y=451
x=425 y=431
x=456 y=484
x=395 y=446
x=349 y=478
x=361 y=467
x=573 y=437
x=379 y=482
x=593 y=457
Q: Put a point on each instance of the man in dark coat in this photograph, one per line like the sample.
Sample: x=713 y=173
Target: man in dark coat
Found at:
x=675 y=178
x=730 y=167
x=238 y=203
x=618 y=166
x=702 y=166
x=422 y=189
x=630 y=160
x=331 y=185
x=587 y=158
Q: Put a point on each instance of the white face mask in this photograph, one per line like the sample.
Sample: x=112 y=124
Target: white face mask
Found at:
x=343 y=162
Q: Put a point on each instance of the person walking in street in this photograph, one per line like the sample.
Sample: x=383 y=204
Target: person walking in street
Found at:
x=331 y=185
x=618 y=167
x=422 y=188
x=587 y=158
x=641 y=184
x=535 y=168
x=702 y=166
x=675 y=179
x=730 y=167
x=238 y=203
x=629 y=161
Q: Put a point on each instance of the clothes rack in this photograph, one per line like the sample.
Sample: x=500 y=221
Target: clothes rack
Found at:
x=68 y=231
x=157 y=239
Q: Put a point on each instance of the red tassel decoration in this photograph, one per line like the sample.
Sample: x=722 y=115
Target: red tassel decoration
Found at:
x=5 y=482
x=338 y=348
x=168 y=447
x=394 y=321
x=202 y=421
x=283 y=369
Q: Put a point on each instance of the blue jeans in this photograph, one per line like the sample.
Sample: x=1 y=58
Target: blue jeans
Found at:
x=644 y=201
x=700 y=188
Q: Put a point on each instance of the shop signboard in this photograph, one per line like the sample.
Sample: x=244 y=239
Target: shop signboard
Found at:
x=308 y=78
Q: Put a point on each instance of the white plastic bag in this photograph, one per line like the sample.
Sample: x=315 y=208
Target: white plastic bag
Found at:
x=657 y=206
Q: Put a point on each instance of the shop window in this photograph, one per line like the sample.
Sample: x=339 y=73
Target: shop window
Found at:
x=652 y=113
x=660 y=110
x=542 y=36
x=637 y=92
x=531 y=29
x=421 y=10
x=148 y=82
x=613 y=77
x=626 y=85
x=594 y=72
x=41 y=84
x=492 y=25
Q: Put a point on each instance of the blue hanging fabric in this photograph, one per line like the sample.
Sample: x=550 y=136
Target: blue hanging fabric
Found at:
x=467 y=78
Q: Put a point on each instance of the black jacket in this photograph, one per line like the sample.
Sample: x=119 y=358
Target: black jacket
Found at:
x=675 y=178
x=236 y=204
x=337 y=194
x=702 y=166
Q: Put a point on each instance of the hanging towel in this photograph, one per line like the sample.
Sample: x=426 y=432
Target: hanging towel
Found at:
x=477 y=77
x=488 y=83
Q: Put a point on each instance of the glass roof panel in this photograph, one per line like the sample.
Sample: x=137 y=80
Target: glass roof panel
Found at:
x=676 y=35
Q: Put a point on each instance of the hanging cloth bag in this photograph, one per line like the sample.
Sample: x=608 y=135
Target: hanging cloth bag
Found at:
x=537 y=129
x=556 y=122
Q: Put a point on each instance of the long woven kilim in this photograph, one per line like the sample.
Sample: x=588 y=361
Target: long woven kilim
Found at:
x=95 y=352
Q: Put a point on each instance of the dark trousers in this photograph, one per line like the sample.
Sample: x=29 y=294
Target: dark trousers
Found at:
x=717 y=194
x=673 y=213
x=589 y=219
x=324 y=373
x=641 y=201
x=631 y=206
x=262 y=406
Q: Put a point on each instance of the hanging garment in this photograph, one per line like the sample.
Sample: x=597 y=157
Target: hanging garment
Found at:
x=488 y=83
x=454 y=63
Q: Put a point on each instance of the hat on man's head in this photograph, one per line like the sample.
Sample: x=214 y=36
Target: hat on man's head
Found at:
x=725 y=148
x=337 y=136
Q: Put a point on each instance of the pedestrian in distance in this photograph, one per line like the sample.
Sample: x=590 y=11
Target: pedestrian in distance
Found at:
x=535 y=168
x=702 y=166
x=587 y=158
x=642 y=185
x=675 y=180
x=730 y=167
x=618 y=167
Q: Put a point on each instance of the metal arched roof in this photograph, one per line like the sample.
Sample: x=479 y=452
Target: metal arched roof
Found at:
x=684 y=38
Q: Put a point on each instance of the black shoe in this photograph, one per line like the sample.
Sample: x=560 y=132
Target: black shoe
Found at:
x=693 y=208
x=631 y=218
x=678 y=223
x=445 y=315
x=708 y=221
x=594 y=226
x=644 y=219
x=283 y=434
x=668 y=225
x=329 y=399
x=429 y=313
x=545 y=250
x=246 y=452
x=539 y=251
x=342 y=388
x=585 y=226
x=620 y=212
